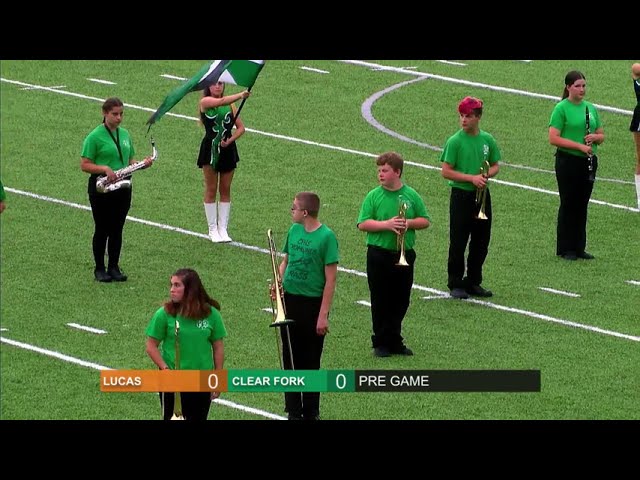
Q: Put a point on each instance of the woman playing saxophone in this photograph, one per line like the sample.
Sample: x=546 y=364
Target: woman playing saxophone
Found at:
x=106 y=149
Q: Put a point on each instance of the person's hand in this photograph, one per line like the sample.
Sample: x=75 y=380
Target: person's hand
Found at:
x=148 y=162
x=479 y=181
x=225 y=142
x=215 y=395
x=110 y=174
x=397 y=225
x=586 y=149
x=322 y=327
x=2 y=206
x=245 y=94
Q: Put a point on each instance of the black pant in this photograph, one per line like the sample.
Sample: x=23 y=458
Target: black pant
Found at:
x=575 y=187
x=195 y=405
x=306 y=346
x=390 y=288
x=463 y=225
x=109 y=214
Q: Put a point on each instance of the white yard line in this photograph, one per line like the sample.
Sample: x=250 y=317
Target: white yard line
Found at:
x=316 y=70
x=448 y=62
x=559 y=292
x=173 y=77
x=87 y=329
x=105 y=82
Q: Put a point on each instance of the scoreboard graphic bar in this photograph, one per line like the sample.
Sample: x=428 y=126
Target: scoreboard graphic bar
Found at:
x=320 y=381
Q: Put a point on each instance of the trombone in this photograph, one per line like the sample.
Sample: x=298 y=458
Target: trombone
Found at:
x=402 y=213
x=177 y=403
x=481 y=193
x=277 y=302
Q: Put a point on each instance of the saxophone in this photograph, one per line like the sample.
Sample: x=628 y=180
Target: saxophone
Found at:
x=123 y=176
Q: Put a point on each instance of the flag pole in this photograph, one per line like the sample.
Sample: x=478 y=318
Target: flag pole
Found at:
x=227 y=133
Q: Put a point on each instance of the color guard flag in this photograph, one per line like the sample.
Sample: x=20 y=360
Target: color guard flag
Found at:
x=237 y=72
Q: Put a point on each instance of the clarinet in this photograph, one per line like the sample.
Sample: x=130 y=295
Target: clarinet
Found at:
x=123 y=176
x=589 y=156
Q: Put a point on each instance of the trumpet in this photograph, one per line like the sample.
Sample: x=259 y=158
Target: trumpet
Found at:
x=177 y=404
x=277 y=301
x=481 y=193
x=402 y=213
x=123 y=176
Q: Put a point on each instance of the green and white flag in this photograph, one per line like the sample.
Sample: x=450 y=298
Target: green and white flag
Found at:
x=237 y=72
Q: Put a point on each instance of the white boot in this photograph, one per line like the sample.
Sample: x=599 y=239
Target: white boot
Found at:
x=211 y=211
x=225 y=209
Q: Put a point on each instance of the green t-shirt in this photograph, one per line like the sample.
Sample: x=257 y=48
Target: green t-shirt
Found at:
x=2 y=194
x=308 y=254
x=571 y=120
x=466 y=154
x=383 y=204
x=100 y=148
x=196 y=338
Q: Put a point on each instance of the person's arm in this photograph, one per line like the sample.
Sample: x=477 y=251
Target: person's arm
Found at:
x=283 y=265
x=479 y=181
x=418 y=223
x=154 y=353
x=330 y=274
x=237 y=132
x=87 y=166
x=394 y=224
x=212 y=102
x=218 y=361
x=557 y=141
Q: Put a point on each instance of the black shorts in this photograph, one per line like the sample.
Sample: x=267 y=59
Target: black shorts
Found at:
x=227 y=161
x=635 y=121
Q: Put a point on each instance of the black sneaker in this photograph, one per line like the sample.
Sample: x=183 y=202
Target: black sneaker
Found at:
x=294 y=416
x=101 y=275
x=404 y=350
x=116 y=275
x=381 y=352
x=585 y=256
x=478 y=291
x=459 y=293
x=570 y=256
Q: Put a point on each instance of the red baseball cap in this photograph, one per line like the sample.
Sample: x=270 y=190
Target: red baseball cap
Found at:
x=468 y=105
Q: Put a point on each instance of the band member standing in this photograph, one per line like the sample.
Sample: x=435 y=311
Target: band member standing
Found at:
x=200 y=335
x=218 y=156
x=635 y=124
x=308 y=271
x=576 y=164
x=389 y=283
x=106 y=149
x=464 y=154
x=3 y=197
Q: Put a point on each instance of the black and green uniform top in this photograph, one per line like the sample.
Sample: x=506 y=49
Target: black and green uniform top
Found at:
x=196 y=338
x=382 y=204
x=571 y=120
x=308 y=253
x=467 y=153
x=100 y=147
x=217 y=121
